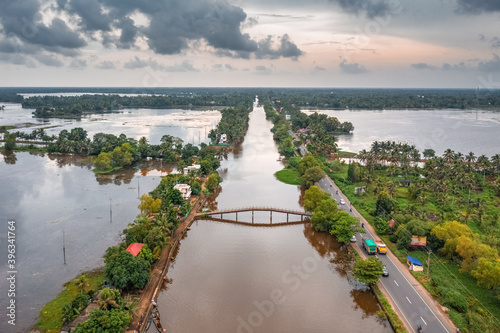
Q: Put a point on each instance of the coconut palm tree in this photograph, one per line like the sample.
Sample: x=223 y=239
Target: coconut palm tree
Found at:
x=448 y=155
x=82 y=284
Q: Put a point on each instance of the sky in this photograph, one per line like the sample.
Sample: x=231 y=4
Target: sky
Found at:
x=258 y=43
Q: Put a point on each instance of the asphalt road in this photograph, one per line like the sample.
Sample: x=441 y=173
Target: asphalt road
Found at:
x=303 y=150
x=416 y=311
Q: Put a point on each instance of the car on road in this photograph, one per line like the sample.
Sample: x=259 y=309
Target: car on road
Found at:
x=353 y=239
x=385 y=272
x=342 y=202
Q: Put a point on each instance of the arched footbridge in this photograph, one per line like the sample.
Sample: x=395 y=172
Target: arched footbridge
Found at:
x=271 y=210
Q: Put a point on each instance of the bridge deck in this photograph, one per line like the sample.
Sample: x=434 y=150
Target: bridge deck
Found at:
x=255 y=209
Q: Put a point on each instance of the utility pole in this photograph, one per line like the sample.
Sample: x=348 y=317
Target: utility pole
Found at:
x=138 y=187
x=110 y=211
x=64 y=246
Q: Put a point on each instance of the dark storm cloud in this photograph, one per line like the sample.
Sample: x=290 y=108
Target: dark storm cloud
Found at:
x=478 y=6
x=423 y=65
x=490 y=66
x=90 y=12
x=171 y=26
x=353 y=68
x=22 y=19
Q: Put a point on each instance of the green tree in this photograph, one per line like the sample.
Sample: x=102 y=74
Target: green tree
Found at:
x=324 y=214
x=312 y=197
x=368 y=271
x=100 y=321
x=82 y=284
x=344 y=226
x=312 y=175
x=124 y=270
x=10 y=141
x=175 y=197
x=212 y=182
x=384 y=205
x=103 y=162
x=449 y=232
x=307 y=162
x=487 y=273
x=149 y=205
x=381 y=225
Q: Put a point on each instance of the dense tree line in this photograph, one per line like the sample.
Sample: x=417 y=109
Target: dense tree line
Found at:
x=76 y=106
x=320 y=134
x=233 y=123
x=379 y=99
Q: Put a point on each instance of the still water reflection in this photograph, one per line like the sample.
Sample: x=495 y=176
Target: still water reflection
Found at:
x=189 y=125
x=460 y=130
x=236 y=278
x=48 y=194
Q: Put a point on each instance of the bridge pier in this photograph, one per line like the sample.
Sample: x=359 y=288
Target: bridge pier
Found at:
x=302 y=217
x=286 y=217
x=271 y=215
x=252 y=216
x=236 y=216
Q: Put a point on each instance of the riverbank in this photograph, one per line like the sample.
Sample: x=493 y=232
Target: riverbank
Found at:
x=158 y=274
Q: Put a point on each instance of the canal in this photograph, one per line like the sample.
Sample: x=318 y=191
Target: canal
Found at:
x=237 y=278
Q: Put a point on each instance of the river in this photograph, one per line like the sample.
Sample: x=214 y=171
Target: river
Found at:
x=228 y=277
x=460 y=130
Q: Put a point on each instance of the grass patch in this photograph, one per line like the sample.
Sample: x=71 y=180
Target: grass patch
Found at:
x=51 y=314
x=396 y=323
x=346 y=154
x=289 y=176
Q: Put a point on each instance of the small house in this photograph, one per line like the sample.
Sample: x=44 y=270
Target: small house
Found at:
x=135 y=248
x=194 y=167
x=223 y=138
x=414 y=264
x=185 y=190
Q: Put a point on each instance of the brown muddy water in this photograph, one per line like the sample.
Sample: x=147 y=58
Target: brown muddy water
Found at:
x=229 y=277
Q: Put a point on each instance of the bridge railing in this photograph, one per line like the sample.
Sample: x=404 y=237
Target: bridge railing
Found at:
x=255 y=208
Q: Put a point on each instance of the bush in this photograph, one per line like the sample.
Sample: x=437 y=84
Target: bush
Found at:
x=456 y=300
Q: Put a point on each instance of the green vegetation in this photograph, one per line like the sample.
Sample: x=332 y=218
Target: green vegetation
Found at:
x=76 y=106
x=289 y=176
x=51 y=316
x=368 y=271
x=380 y=99
x=396 y=323
x=455 y=203
x=234 y=124
x=326 y=217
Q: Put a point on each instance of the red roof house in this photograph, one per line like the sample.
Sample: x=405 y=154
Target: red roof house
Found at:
x=135 y=248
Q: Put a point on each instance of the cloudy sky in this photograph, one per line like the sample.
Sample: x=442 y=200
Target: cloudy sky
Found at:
x=258 y=43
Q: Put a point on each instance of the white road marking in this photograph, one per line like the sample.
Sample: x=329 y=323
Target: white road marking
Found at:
x=408 y=299
x=396 y=283
x=416 y=292
x=423 y=320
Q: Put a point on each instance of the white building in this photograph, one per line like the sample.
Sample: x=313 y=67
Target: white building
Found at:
x=185 y=190
x=191 y=167
x=223 y=138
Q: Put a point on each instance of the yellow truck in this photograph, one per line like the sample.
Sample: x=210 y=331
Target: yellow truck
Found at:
x=381 y=248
